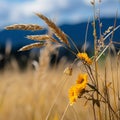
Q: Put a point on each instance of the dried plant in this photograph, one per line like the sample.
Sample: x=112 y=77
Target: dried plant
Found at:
x=34 y=45
x=56 y=30
x=32 y=27
x=41 y=37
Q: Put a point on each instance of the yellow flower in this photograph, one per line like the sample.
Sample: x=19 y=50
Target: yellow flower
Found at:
x=84 y=56
x=89 y=61
x=73 y=94
x=78 y=89
x=82 y=80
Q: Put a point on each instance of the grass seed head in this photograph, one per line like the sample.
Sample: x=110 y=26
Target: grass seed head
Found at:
x=33 y=27
x=34 y=45
x=56 y=30
x=68 y=71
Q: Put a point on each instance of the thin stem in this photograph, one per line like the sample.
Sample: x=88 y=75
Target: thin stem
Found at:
x=86 y=34
x=111 y=32
x=95 y=53
x=102 y=52
x=114 y=27
x=114 y=95
x=108 y=101
x=62 y=85
x=94 y=113
x=95 y=42
x=92 y=74
x=76 y=113
x=100 y=25
x=105 y=91
x=65 y=111
x=89 y=75
x=118 y=85
x=114 y=42
x=69 y=49
x=73 y=44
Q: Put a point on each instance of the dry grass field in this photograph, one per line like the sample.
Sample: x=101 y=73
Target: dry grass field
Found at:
x=36 y=94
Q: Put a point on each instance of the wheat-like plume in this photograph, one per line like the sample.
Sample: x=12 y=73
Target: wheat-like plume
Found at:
x=33 y=45
x=41 y=37
x=57 y=31
x=33 y=27
x=108 y=30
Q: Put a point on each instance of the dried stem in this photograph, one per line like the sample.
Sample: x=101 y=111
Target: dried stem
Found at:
x=65 y=112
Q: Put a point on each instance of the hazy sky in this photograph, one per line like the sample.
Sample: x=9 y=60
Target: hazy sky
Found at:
x=61 y=11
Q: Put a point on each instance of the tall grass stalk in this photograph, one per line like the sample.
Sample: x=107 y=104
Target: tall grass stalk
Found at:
x=65 y=111
x=96 y=53
x=55 y=100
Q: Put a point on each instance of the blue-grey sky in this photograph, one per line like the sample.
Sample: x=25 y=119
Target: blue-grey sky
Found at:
x=61 y=11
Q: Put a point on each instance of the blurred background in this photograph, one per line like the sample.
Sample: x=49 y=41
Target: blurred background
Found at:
x=71 y=16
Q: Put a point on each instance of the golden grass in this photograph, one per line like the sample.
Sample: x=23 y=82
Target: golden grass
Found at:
x=57 y=31
x=33 y=45
x=32 y=27
x=29 y=95
x=40 y=37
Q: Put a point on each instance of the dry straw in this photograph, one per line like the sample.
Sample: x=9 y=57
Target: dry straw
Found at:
x=57 y=31
x=40 y=37
x=33 y=27
x=34 y=45
x=108 y=30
